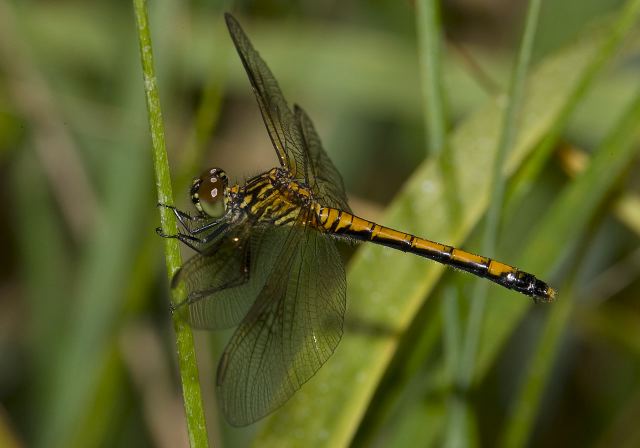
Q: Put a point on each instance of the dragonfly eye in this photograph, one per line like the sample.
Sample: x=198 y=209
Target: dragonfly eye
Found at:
x=208 y=192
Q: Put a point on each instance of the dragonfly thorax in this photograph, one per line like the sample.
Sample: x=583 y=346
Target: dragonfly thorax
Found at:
x=209 y=193
x=292 y=190
x=274 y=197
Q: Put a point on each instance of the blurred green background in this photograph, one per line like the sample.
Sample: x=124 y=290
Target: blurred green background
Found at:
x=87 y=351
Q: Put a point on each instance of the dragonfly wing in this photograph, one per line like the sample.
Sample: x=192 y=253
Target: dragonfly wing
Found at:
x=223 y=282
x=219 y=282
x=292 y=329
x=321 y=174
x=277 y=115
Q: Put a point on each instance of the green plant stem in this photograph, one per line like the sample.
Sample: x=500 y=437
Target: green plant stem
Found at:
x=188 y=366
x=624 y=22
x=429 y=28
x=522 y=418
x=430 y=57
x=507 y=139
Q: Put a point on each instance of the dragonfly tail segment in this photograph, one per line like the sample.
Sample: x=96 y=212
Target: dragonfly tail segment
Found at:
x=345 y=224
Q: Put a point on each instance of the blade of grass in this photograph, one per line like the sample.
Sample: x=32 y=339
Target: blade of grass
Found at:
x=88 y=410
x=423 y=422
x=561 y=228
x=613 y=324
x=430 y=56
x=614 y=279
x=109 y=401
x=187 y=363
x=143 y=272
x=53 y=143
x=624 y=430
x=90 y=316
x=623 y=23
x=506 y=142
x=520 y=420
x=429 y=27
x=402 y=383
x=626 y=209
x=38 y=226
x=387 y=288
x=586 y=191
x=452 y=346
x=491 y=227
x=464 y=372
x=98 y=297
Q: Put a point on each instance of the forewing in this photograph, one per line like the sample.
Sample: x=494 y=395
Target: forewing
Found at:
x=277 y=115
x=291 y=330
x=322 y=175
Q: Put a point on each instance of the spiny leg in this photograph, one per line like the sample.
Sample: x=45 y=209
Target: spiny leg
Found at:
x=182 y=217
x=188 y=240
x=200 y=245
x=192 y=224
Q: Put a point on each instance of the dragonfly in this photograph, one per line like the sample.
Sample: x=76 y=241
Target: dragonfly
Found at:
x=266 y=260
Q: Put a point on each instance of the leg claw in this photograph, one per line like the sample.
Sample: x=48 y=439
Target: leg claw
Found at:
x=164 y=235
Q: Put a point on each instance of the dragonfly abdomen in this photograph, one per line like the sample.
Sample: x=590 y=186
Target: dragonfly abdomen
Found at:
x=342 y=223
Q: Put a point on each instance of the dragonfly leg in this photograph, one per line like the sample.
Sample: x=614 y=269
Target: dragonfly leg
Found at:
x=200 y=245
x=189 y=240
x=184 y=218
x=192 y=224
x=204 y=227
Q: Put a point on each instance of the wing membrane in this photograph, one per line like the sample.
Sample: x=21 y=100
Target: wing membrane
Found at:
x=322 y=175
x=223 y=282
x=293 y=135
x=277 y=115
x=219 y=290
x=291 y=330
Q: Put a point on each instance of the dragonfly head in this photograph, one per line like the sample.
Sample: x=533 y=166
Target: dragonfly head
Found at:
x=208 y=193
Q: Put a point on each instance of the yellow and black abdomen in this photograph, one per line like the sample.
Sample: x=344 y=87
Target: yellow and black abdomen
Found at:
x=341 y=223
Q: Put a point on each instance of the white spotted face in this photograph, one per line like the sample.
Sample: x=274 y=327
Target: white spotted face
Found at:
x=208 y=192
